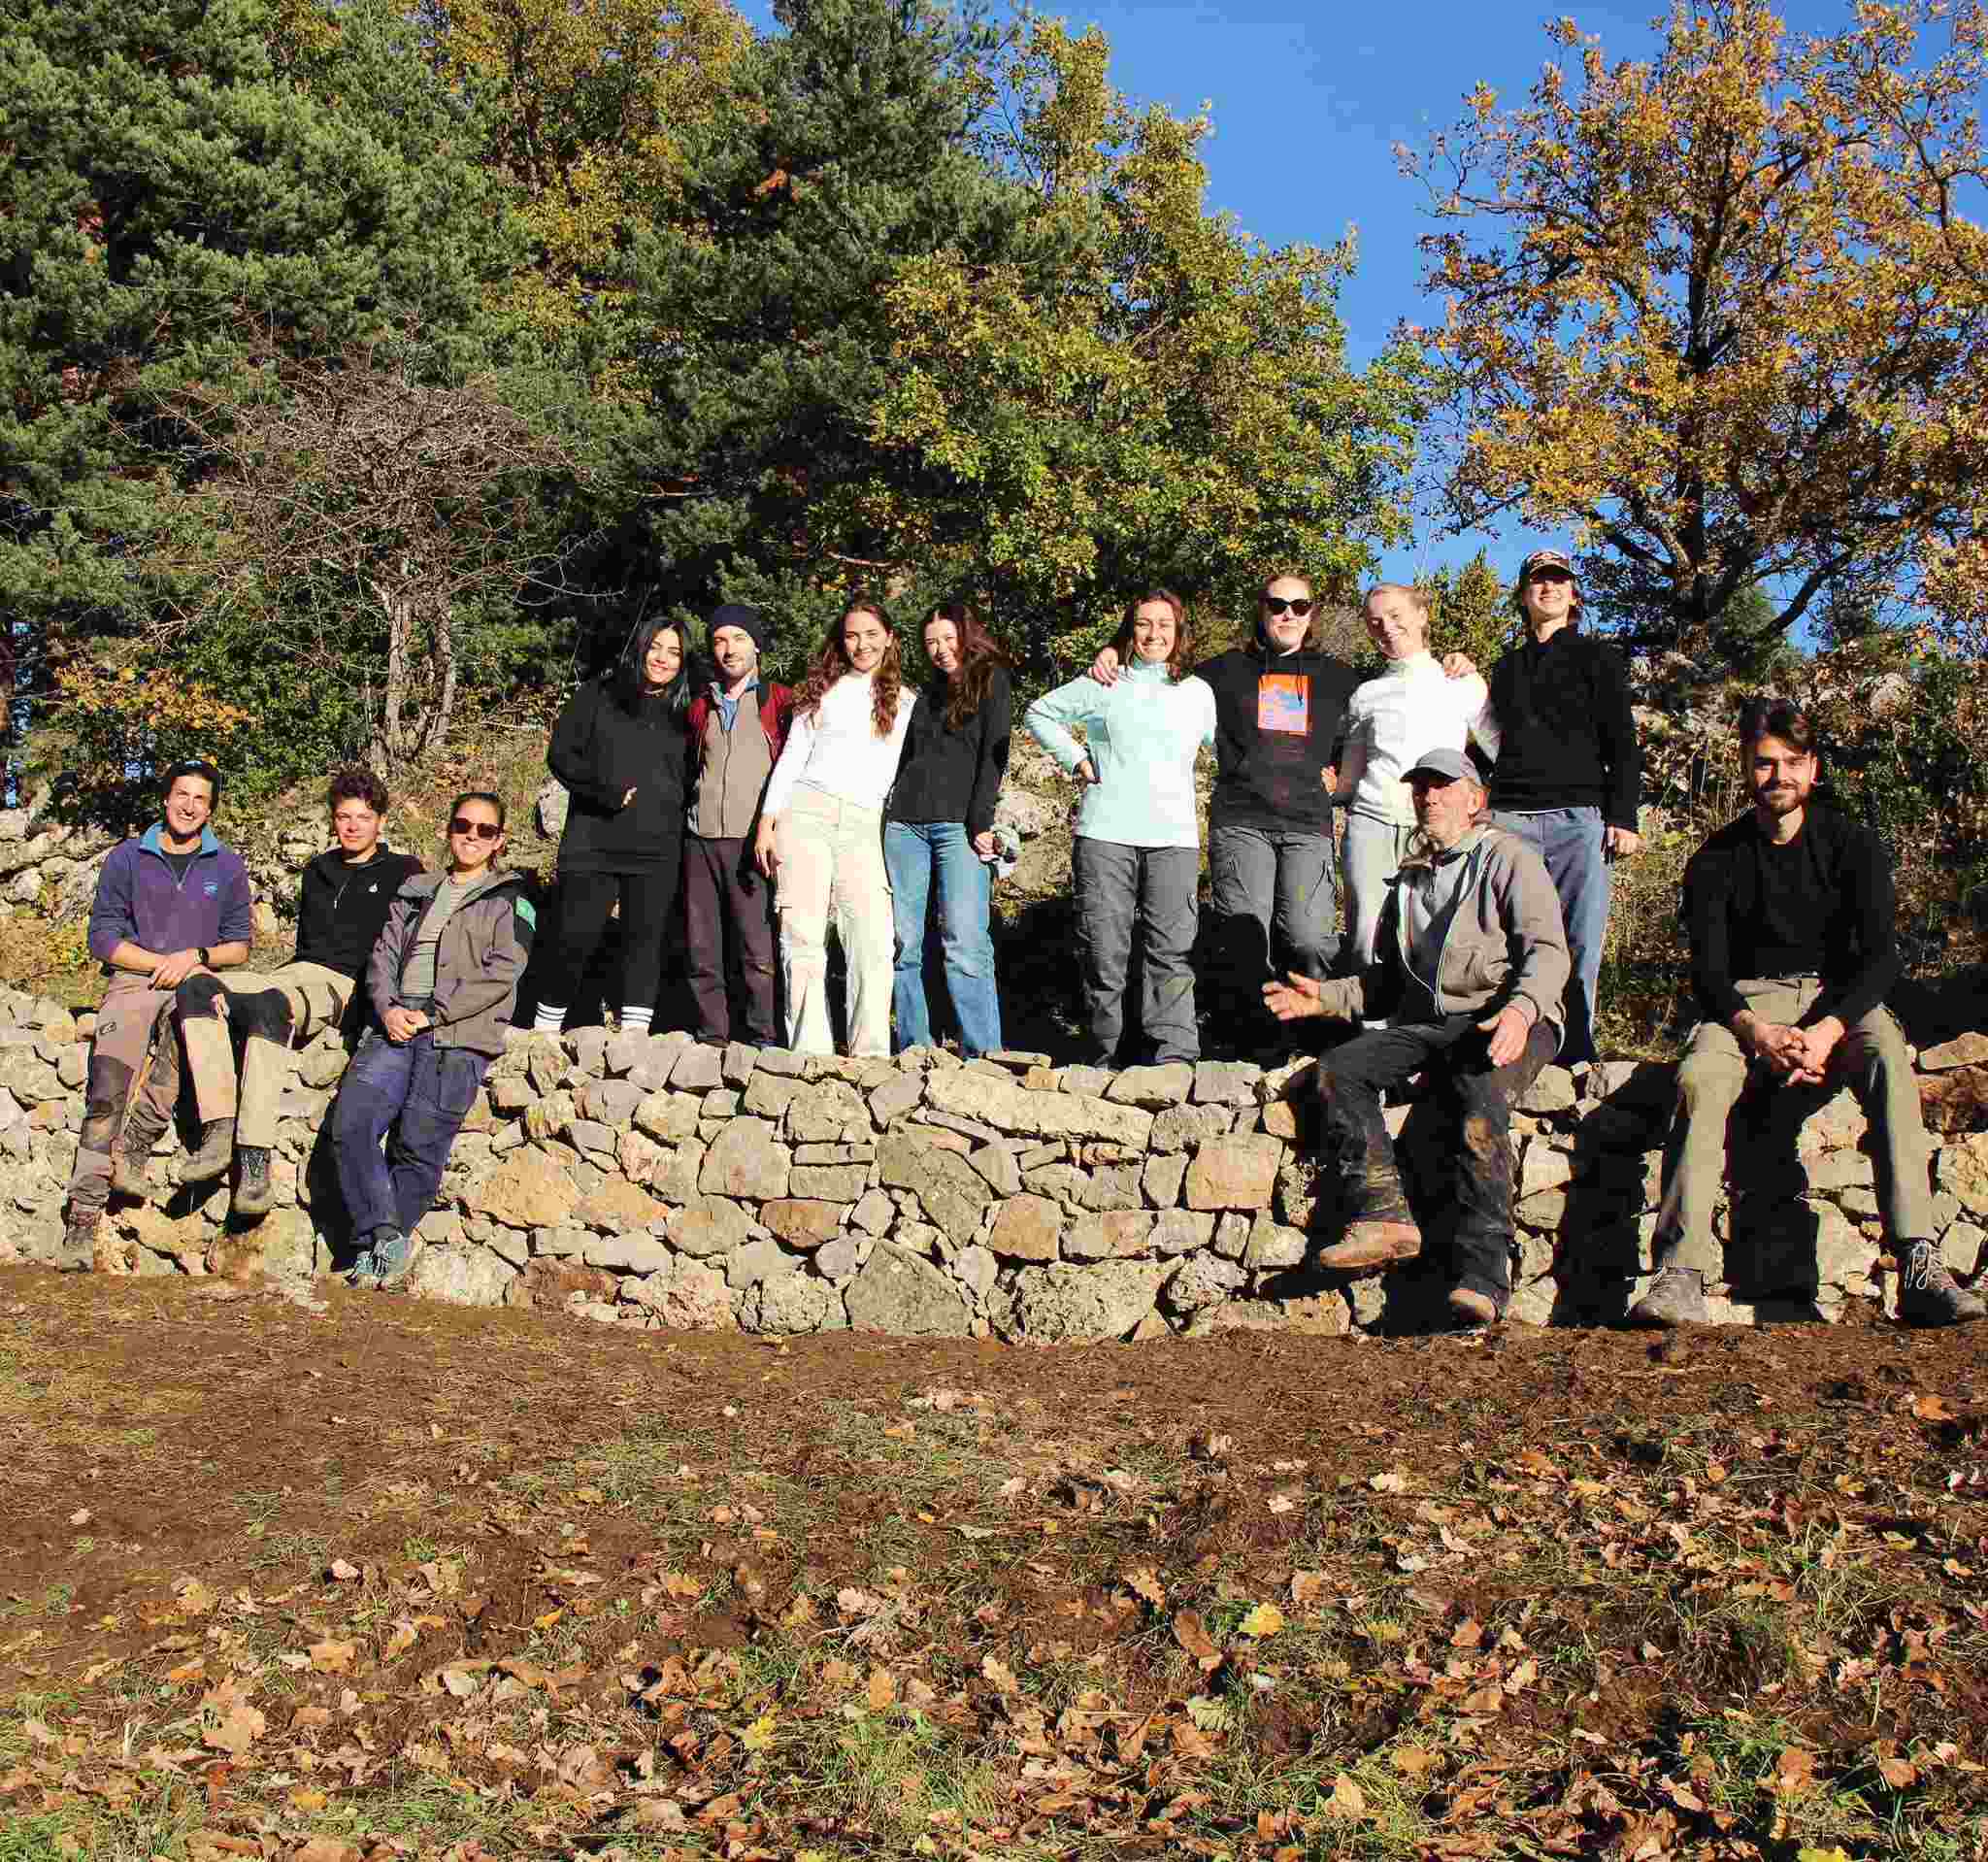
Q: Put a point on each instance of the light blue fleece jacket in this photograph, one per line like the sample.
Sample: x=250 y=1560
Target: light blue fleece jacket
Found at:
x=1143 y=733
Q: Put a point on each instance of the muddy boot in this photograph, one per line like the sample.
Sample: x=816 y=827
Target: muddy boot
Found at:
x=80 y=1242
x=1475 y=1306
x=1676 y=1297
x=211 y=1160
x=131 y=1168
x=1928 y=1294
x=1376 y=1242
x=253 y=1191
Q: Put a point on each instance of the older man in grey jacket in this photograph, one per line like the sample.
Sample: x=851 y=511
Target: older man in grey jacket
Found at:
x=1470 y=967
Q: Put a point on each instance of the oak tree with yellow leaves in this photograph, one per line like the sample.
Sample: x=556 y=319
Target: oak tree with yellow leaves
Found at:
x=1724 y=310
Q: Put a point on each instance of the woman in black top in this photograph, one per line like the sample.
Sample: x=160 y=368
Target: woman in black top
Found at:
x=940 y=823
x=621 y=747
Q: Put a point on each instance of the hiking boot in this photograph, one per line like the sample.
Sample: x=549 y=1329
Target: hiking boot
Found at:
x=1676 y=1297
x=80 y=1242
x=1928 y=1294
x=1376 y=1242
x=253 y=1191
x=393 y=1258
x=1475 y=1306
x=211 y=1160
x=131 y=1169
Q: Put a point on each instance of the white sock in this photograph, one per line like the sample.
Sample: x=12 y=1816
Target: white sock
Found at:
x=635 y=1021
x=550 y=1015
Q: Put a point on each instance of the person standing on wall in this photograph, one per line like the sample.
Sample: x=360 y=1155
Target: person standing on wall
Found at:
x=941 y=828
x=737 y=729
x=441 y=985
x=1411 y=707
x=1280 y=708
x=821 y=834
x=1136 y=860
x=172 y=908
x=1569 y=775
x=621 y=748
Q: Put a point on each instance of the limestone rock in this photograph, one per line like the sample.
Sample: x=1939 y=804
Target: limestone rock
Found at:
x=1551 y=1092
x=1063 y=1301
x=1160 y=1181
x=527 y=1190
x=1178 y=1231
x=793 y=1303
x=1026 y=1228
x=993 y=1099
x=1225 y=1082
x=769 y=1095
x=669 y=1118
x=874 y=1213
x=802 y=1222
x=1201 y=1280
x=1118 y=1236
x=975 y=1268
x=1963 y=1050
x=1182 y=1127
x=630 y=1254
x=617 y=1204
x=755 y=1261
x=710 y=1225
x=698 y=1069
x=1271 y=1245
x=823 y=1113
x=1232 y=1237
x=745 y=1160
x=463 y=1276
x=1315 y=1316
x=952 y=1192
x=1233 y=1172
x=1154 y=1087
x=899 y=1293
x=996 y=1164
x=1963 y=1172
x=611 y=1102
x=688 y=1296
x=828 y=1182
x=895 y=1098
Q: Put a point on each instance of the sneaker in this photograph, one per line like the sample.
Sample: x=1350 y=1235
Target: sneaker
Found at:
x=1475 y=1306
x=254 y=1193
x=1928 y=1294
x=393 y=1257
x=80 y=1242
x=1676 y=1297
x=211 y=1160
x=1374 y=1242
x=364 y=1272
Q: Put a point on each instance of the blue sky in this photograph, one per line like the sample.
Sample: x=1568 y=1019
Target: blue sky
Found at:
x=1308 y=103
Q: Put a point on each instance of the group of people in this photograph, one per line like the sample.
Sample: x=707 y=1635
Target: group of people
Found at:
x=1475 y=908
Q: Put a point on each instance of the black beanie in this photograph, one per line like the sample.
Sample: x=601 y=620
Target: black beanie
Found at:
x=748 y=620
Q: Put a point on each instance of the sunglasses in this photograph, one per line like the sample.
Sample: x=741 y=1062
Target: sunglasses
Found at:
x=483 y=830
x=1300 y=606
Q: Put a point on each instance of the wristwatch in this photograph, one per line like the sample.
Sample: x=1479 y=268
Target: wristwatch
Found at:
x=206 y=962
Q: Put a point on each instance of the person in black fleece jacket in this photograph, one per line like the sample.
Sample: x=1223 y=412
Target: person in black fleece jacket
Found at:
x=1569 y=775
x=940 y=826
x=622 y=749
x=1789 y=913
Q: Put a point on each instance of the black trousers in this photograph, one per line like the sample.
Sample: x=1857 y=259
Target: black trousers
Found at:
x=1475 y=1098
x=647 y=896
x=729 y=933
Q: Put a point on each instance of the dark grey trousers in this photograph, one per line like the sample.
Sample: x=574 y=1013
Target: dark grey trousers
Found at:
x=1151 y=890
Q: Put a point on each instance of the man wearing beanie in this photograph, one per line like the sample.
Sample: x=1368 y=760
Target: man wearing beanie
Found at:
x=737 y=730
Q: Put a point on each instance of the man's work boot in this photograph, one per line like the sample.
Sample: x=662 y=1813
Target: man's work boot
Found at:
x=1475 y=1306
x=253 y=1191
x=211 y=1160
x=1376 y=1242
x=80 y=1242
x=131 y=1167
x=1928 y=1294
x=1676 y=1297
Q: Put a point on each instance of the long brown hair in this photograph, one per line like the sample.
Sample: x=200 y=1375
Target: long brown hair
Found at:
x=1184 y=631
x=980 y=652
x=831 y=662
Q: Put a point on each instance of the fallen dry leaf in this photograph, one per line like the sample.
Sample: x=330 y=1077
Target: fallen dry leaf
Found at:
x=227 y=1722
x=1192 y=1635
x=332 y=1658
x=1265 y=1620
x=1000 y=1675
x=1347 y=1800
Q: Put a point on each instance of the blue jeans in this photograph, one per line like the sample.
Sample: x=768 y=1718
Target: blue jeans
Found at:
x=1569 y=842
x=416 y=1095
x=913 y=852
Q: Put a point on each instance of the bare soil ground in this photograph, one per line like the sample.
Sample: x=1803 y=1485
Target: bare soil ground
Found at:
x=409 y=1580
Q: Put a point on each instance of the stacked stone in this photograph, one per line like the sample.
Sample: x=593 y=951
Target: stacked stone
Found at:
x=649 y=1181
x=48 y=867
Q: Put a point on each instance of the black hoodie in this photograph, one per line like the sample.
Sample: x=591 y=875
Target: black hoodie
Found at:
x=342 y=907
x=600 y=752
x=1279 y=718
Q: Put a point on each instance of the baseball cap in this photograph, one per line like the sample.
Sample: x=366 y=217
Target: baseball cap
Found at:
x=1454 y=766
x=1545 y=559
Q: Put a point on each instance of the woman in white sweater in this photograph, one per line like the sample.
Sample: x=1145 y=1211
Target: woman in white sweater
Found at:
x=821 y=829
x=1392 y=722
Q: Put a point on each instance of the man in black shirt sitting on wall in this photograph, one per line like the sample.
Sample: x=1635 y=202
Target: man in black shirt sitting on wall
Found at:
x=1789 y=915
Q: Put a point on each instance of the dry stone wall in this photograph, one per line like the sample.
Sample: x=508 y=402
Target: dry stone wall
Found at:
x=652 y=1181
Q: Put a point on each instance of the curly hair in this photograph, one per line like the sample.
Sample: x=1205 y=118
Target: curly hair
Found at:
x=980 y=652
x=356 y=782
x=831 y=662
x=1179 y=659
